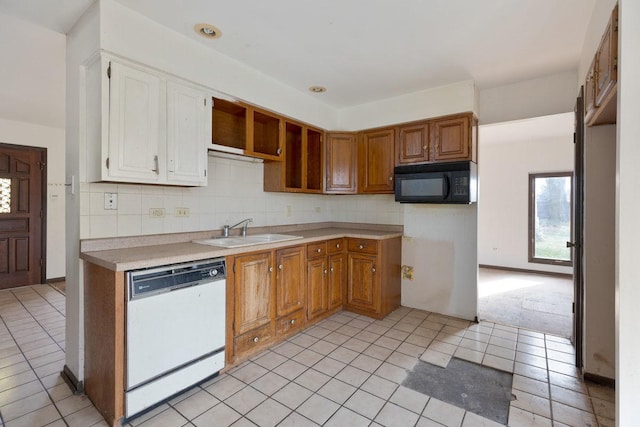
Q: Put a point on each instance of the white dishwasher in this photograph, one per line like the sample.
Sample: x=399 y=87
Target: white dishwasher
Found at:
x=175 y=330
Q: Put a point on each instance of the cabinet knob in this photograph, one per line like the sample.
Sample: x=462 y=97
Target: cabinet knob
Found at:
x=278 y=151
x=292 y=321
x=256 y=339
x=325 y=271
x=280 y=267
x=390 y=178
x=270 y=269
x=318 y=250
x=331 y=269
x=338 y=245
x=373 y=269
x=424 y=147
x=361 y=247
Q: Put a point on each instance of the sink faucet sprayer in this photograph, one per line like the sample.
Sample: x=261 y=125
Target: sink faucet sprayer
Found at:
x=246 y=222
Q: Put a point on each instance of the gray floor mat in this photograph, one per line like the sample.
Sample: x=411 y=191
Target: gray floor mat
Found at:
x=479 y=389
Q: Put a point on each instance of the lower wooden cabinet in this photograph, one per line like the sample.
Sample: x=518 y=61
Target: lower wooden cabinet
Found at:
x=273 y=294
x=373 y=276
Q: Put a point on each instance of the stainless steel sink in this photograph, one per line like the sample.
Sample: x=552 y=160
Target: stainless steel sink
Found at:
x=238 y=241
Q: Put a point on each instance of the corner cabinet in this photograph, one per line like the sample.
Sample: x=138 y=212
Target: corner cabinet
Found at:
x=376 y=153
x=143 y=126
x=341 y=154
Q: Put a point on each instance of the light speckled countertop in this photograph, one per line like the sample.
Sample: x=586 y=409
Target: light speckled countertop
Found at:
x=141 y=252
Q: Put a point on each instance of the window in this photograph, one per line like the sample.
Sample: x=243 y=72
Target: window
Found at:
x=550 y=226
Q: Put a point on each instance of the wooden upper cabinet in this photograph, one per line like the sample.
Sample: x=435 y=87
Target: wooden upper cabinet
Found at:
x=301 y=169
x=376 y=159
x=264 y=131
x=451 y=138
x=606 y=60
x=341 y=163
x=290 y=280
x=413 y=144
x=242 y=129
x=601 y=87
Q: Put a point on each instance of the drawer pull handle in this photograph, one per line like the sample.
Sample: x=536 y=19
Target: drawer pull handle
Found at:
x=292 y=321
x=256 y=339
x=318 y=250
x=338 y=245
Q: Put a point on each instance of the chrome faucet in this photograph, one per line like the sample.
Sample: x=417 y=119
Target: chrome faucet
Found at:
x=246 y=222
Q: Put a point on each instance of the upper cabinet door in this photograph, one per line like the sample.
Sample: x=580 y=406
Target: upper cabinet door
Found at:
x=341 y=163
x=451 y=138
x=376 y=154
x=188 y=133
x=606 y=60
x=134 y=125
x=413 y=144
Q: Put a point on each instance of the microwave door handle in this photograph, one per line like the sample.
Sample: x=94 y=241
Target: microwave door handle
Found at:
x=447 y=187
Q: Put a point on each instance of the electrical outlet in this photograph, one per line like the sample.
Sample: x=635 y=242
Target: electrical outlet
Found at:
x=156 y=212
x=182 y=212
x=110 y=201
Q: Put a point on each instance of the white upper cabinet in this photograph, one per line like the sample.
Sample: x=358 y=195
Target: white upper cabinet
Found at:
x=146 y=127
x=188 y=131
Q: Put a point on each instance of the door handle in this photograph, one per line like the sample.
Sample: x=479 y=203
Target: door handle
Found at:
x=572 y=244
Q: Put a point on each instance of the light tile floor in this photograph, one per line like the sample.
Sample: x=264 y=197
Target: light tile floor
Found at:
x=344 y=371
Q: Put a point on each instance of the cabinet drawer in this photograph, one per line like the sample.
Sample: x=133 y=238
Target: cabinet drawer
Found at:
x=363 y=246
x=336 y=246
x=253 y=339
x=315 y=250
x=291 y=322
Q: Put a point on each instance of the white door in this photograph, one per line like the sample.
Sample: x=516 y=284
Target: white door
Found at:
x=134 y=125
x=188 y=134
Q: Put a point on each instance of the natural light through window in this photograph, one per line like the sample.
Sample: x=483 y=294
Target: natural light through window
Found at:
x=550 y=218
x=5 y=195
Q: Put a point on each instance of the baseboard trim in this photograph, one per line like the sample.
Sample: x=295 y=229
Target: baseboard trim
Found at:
x=69 y=377
x=57 y=279
x=524 y=270
x=609 y=382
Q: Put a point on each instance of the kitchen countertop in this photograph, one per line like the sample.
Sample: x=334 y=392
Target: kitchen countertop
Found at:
x=154 y=255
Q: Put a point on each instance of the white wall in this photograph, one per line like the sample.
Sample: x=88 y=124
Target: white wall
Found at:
x=627 y=224
x=32 y=83
x=434 y=102
x=440 y=243
x=509 y=152
x=32 y=135
x=542 y=96
x=599 y=250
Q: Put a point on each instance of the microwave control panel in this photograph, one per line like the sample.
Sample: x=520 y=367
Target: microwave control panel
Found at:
x=460 y=186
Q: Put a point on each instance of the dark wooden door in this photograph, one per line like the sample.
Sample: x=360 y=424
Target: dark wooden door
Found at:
x=578 y=229
x=22 y=186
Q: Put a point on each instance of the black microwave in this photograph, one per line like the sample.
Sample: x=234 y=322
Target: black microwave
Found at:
x=451 y=182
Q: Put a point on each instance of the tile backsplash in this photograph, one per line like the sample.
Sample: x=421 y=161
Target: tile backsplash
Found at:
x=235 y=192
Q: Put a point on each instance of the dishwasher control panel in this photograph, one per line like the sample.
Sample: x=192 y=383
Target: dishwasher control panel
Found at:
x=153 y=281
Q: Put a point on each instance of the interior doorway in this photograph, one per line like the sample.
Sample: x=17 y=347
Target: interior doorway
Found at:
x=22 y=215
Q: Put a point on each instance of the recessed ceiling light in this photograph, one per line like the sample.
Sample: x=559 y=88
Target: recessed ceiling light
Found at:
x=207 y=30
x=318 y=89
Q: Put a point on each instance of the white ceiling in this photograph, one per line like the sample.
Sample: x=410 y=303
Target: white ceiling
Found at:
x=365 y=50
